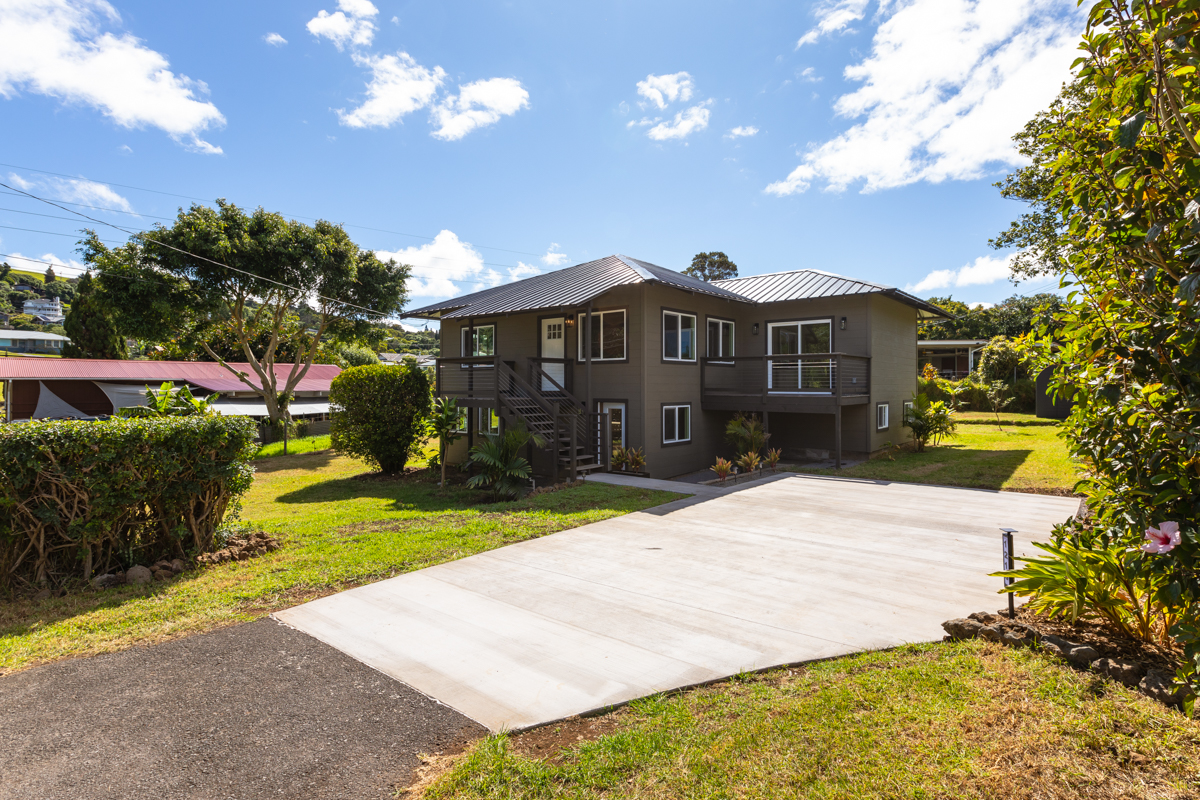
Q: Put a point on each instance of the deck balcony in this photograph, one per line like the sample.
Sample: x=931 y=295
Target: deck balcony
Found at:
x=805 y=384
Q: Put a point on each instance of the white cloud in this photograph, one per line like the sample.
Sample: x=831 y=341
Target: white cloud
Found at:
x=834 y=16
x=685 y=122
x=522 y=271
x=448 y=266
x=73 y=190
x=30 y=264
x=741 y=130
x=275 y=40
x=809 y=75
x=947 y=84
x=351 y=25
x=982 y=271
x=399 y=86
x=663 y=89
x=57 y=48
x=477 y=105
x=554 y=256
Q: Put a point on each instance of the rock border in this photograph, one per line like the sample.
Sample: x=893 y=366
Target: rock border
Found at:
x=1156 y=684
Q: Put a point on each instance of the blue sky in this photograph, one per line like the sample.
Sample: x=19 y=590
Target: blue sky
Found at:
x=483 y=142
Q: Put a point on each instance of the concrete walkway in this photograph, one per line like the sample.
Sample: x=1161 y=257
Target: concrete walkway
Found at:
x=792 y=569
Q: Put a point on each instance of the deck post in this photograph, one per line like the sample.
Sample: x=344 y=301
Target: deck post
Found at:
x=555 y=444
x=606 y=441
x=574 y=443
x=588 y=350
x=496 y=399
x=837 y=414
x=837 y=437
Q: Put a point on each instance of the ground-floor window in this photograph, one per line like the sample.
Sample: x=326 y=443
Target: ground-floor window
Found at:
x=881 y=416
x=489 y=421
x=677 y=424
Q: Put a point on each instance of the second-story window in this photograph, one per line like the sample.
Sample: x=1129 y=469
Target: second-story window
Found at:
x=720 y=338
x=679 y=336
x=608 y=335
x=482 y=344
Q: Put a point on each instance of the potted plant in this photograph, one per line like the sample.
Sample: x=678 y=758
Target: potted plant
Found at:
x=620 y=458
x=635 y=459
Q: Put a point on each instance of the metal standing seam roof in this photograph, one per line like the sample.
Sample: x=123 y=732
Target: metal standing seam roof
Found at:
x=571 y=286
x=811 y=284
x=205 y=374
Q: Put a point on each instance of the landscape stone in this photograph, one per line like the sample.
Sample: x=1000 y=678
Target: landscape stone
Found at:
x=1056 y=645
x=163 y=574
x=984 y=617
x=962 y=628
x=992 y=633
x=1082 y=655
x=105 y=580
x=138 y=575
x=1160 y=686
x=1120 y=670
x=1017 y=638
x=177 y=566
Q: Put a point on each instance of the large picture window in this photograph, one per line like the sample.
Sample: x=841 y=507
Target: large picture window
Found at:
x=482 y=344
x=720 y=338
x=800 y=338
x=679 y=336
x=608 y=336
x=677 y=424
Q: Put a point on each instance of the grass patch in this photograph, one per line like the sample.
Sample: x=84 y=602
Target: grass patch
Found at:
x=1021 y=454
x=968 y=719
x=338 y=528
x=309 y=444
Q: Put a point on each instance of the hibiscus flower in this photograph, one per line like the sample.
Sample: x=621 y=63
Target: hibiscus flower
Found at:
x=1161 y=539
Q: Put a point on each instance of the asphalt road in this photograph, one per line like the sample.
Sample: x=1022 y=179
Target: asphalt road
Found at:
x=251 y=711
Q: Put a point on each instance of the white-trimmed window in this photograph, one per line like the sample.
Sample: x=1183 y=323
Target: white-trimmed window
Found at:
x=608 y=335
x=720 y=338
x=679 y=336
x=482 y=344
x=488 y=420
x=677 y=424
x=881 y=417
x=906 y=411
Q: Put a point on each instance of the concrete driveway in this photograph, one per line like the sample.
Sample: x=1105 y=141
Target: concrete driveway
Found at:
x=790 y=570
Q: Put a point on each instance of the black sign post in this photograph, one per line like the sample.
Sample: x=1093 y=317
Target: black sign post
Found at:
x=1006 y=548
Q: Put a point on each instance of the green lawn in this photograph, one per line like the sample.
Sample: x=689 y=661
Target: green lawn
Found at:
x=309 y=444
x=1021 y=453
x=960 y=720
x=339 y=528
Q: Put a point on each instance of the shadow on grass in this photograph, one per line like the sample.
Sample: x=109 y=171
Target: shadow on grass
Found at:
x=315 y=460
x=947 y=465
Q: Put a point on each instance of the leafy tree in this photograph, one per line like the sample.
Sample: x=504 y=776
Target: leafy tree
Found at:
x=1000 y=360
x=746 y=433
x=380 y=414
x=1016 y=316
x=90 y=327
x=348 y=354
x=63 y=290
x=220 y=341
x=714 y=266
x=256 y=269
x=5 y=269
x=50 y=276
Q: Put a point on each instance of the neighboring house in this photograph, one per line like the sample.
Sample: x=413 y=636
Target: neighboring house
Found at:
x=32 y=342
x=828 y=362
x=48 y=308
x=398 y=358
x=83 y=387
x=952 y=358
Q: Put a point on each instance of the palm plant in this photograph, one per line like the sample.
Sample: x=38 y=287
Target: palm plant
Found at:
x=746 y=433
x=501 y=466
x=929 y=421
x=445 y=424
x=171 y=402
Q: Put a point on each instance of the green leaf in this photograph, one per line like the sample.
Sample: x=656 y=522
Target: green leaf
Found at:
x=1123 y=177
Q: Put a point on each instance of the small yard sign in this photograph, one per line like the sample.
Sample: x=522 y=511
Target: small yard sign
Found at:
x=1006 y=550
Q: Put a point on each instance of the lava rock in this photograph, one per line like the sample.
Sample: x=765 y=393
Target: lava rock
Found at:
x=1120 y=670
x=163 y=574
x=1015 y=637
x=1056 y=645
x=1082 y=655
x=1161 y=686
x=984 y=618
x=138 y=575
x=177 y=566
x=105 y=581
x=962 y=628
x=992 y=633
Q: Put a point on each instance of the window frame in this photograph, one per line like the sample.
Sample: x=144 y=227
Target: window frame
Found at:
x=720 y=358
x=885 y=407
x=905 y=411
x=680 y=314
x=663 y=418
x=466 y=329
x=800 y=323
x=482 y=413
x=597 y=317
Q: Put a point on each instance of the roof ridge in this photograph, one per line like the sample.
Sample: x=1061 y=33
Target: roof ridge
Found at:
x=804 y=269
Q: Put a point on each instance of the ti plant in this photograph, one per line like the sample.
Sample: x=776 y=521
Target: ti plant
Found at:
x=722 y=468
x=749 y=462
x=772 y=458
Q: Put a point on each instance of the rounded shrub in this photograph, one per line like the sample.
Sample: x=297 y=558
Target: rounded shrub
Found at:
x=999 y=360
x=380 y=414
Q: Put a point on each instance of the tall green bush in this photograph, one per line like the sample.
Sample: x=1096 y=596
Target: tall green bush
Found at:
x=380 y=414
x=1000 y=360
x=83 y=497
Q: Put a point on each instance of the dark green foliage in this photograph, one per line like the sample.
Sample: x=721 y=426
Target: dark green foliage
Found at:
x=50 y=276
x=446 y=424
x=929 y=420
x=84 y=497
x=970 y=394
x=380 y=414
x=167 y=401
x=1016 y=316
x=1000 y=360
x=221 y=341
x=502 y=468
x=348 y=354
x=714 y=266
x=745 y=432
x=91 y=328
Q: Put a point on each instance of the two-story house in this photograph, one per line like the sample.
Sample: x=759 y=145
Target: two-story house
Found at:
x=623 y=351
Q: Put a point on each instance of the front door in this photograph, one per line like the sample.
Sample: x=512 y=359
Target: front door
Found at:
x=553 y=346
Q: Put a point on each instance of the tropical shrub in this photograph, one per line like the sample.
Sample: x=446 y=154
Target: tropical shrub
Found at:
x=746 y=433
x=502 y=468
x=749 y=462
x=722 y=468
x=772 y=458
x=929 y=421
x=77 y=498
x=380 y=414
x=620 y=457
x=446 y=424
x=168 y=401
x=635 y=459
x=970 y=393
x=1000 y=360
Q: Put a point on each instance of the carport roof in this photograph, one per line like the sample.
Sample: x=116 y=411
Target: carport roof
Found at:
x=574 y=286
x=205 y=374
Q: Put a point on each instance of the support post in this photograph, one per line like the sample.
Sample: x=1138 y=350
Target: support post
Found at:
x=837 y=436
x=572 y=439
x=496 y=399
x=555 y=445
x=588 y=351
x=606 y=441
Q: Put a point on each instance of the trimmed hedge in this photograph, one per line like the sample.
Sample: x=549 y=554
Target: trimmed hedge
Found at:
x=380 y=414
x=79 y=498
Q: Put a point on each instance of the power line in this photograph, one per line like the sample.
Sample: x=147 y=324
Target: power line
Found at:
x=299 y=216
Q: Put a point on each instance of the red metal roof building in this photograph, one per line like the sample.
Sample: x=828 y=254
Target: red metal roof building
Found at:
x=36 y=388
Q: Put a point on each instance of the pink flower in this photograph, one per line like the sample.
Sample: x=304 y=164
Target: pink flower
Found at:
x=1161 y=539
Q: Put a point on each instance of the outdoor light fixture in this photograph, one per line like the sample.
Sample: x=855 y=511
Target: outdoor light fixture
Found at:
x=754 y=329
x=570 y=320
x=843 y=323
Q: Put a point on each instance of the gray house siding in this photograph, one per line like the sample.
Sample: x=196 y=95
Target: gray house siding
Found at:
x=893 y=367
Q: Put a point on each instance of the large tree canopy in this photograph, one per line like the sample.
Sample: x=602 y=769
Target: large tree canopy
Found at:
x=714 y=266
x=221 y=266
x=1016 y=316
x=90 y=326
